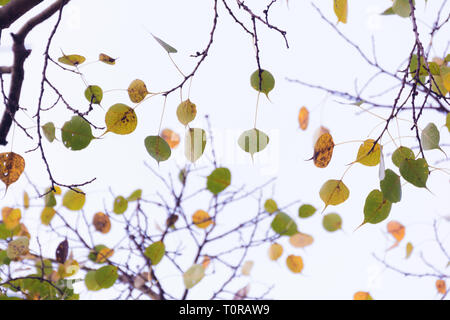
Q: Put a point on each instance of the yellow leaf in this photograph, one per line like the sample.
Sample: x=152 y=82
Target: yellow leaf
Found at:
x=68 y=269
x=17 y=248
x=275 y=251
x=409 y=250
x=137 y=91
x=202 y=219
x=441 y=286
x=294 y=263
x=368 y=156
x=446 y=80
x=318 y=133
x=26 y=200
x=106 y=59
x=120 y=119
x=11 y=167
x=47 y=215
x=397 y=230
x=74 y=199
x=172 y=138
x=303 y=118
x=247 y=268
x=11 y=217
x=301 y=240
x=341 y=10
x=72 y=59
x=323 y=150
x=361 y=295
x=186 y=112
x=101 y=222
x=104 y=254
x=334 y=192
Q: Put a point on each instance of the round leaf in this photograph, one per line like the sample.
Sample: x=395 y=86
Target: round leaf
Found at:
x=376 y=208
x=253 y=141
x=120 y=205
x=120 y=119
x=94 y=94
x=76 y=134
x=193 y=276
x=270 y=206
x=323 y=150
x=368 y=154
x=186 y=112
x=218 y=180
x=284 y=225
x=74 y=199
x=334 y=192
x=264 y=83
x=401 y=154
x=155 y=252
x=106 y=276
x=275 y=251
x=137 y=91
x=332 y=222
x=294 y=263
x=306 y=210
x=49 y=131
x=158 y=148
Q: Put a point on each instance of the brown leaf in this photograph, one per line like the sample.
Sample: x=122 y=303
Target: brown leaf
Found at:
x=323 y=150
x=102 y=223
x=62 y=251
x=11 y=167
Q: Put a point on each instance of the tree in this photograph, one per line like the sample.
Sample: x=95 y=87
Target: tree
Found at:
x=203 y=242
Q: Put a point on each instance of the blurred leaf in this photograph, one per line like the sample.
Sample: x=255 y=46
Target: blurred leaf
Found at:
x=301 y=240
x=101 y=222
x=361 y=295
x=106 y=59
x=253 y=141
x=72 y=59
x=90 y=282
x=247 y=267
x=193 y=276
x=332 y=222
x=441 y=286
x=201 y=219
x=294 y=263
x=270 y=206
x=120 y=205
x=62 y=251
x=172 y=138
x=106 y=276
x=341 y=10
x=17 y=247
x=409 y=250
x=306 y=211
x=11 y=217
x=284 y=225
x=402 y=8
x=275 y=251
x=136 y=195
x=397 y=230
x=155 y=252
x=47 y=215
x=430 y=137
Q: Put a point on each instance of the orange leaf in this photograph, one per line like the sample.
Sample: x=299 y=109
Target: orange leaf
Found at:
x=303 y=118
x=323 y=150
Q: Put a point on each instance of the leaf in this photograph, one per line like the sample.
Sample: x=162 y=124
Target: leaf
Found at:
x=368 y=154
x=90 y=282
x=318 y=133
x=157 y=148
x=62 y=251
x=72 y=59
x=120 y=119
x=401 y=154
x=247 y=267
x=341 y=10
x=301 y=240
x=106 y=59
x=193 y=276
x=402 y=8
x=334 y=192
x=26 y=200
x=275 y=251
x=441 y=286
x=155 y=252
x=447 y=122
x=303 y=118
x=284 y=225
x=137 y=91
x=106 y=276
x=166 y=46
x=195 y=143
x=186 y=112
x=120 y=205
x=397 y=230
x=306 y=211
x=76 y=133
x=409 y=250
x=388 y=11
x=415 y=172
x=94 y=94
x=101 y=222
x=93 y=254
x=332 y=222
x=253 y=141
x=430 y=137
x=74 y=199
x=206 y=262
x=270 y=206
x=201 y=219
x=218 y=180
x=17 y=248
x=12 y=166
x=376 y=207
x=49 y=131
x=242 y=293
x=136 y=195
x=391 y=187
x=264 y=83
x=172 y=138
x=294 y=263
x=11 y=217
x=361 y=295
x=47 y=215
x=323 y=150
x=104 y=254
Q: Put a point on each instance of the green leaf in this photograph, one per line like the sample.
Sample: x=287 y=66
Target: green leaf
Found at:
x=253 y=141
x=193 y=275
x=120 y=205
x=76 y=133
x=155 y=252
x=414 y=64
x=4 y=258
x=195 y=143
x=306 y=210
x=263 y=84
x=334 y=192
x=415 y=172
x=166 y=46
x=284 y=225
x=157 y=148
x=391 y=187
x=90 y=282
x=106 y=276
x=94 y=94
x=401 y=154
x=74 y=199
x=376 y=208
x=136 y=195
x=332 y=222
x=270 y=206
x=430 y=137
x=447 y=122
x=388 y=11
x=434 y=68
x=49 y=131
x=218 y=180
x=402 y=8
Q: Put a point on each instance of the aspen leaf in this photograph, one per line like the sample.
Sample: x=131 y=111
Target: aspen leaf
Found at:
x=12 y=166
x=306 y=211
x=94 y=94
x=193 y=276
x=441 y=286
x=334 y=192
x=137 y=91
x=303 y=118
x=368 y=156
x=26 y=200
x=397 y=230
x=76 y=133
x=120 y=205
x=409 y=249
x=106 y=276
x=195 y=143
x=166 y=46
x=218 y=180
x=318 y=133
x=72 y=59
x=90 y=282
x=62 y=251
x=120 y=119
x=47 y=215
x=172 y=138
x=270 y=206
x=294 y=263
x=361 y=295
x=74 y=199
x=430 y=137
x=402 y=8
x=301 y=240
x=264 y=83
x=376 y=207
x=93 y=254
x=49 y=131
x=155 y=252
x=323 y=150
x=284 y=225
x=253 y=141
x=341 y=10
x=415 y=172
x=104 y=254
x=391 y=187
x=186 y=112
x=106 y=59
x=136 y=195
x=201 y=219
x=11 y=217
x=101 y=222
x=401 y=154
x=332 y=222
x=17 y=247
x=275 y=251
x=157 y=148
x=247 y=268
